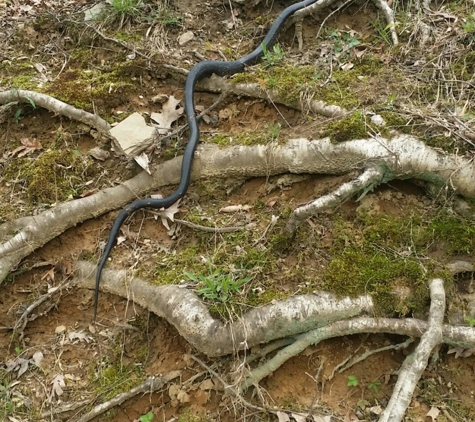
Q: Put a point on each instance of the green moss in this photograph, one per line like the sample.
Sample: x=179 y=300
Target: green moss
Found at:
x=368 y=270
x=53 y=176
x=270 y=294
x=463 y=67
x=260 y=137
x=351 y=127
x=18 y=74
x=84 y=88
x=115 y=379
x=455 y=235
x=188 y=416
x=397 y=122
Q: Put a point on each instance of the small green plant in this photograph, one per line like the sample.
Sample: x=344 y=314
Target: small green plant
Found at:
x=468 y=25
x=274 y=131
x=169 y=19
x=470 y=321
x=271 y=58
x=383 y=31
x=147 y=418
x=352 y=381
x=374 y=385
x=20 y=109
x=391 y=100
x=218 y=286
x=343 y=42
x=126 y=7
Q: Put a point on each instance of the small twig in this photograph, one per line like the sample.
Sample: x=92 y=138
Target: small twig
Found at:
x=373 y=352
x=56 y=410
x=149 y=386
x=182 y=128
x=259 y=352
x=20 y=324
x=271 y=224
x=211 y=229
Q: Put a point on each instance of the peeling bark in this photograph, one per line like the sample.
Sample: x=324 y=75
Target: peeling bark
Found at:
x=401 y=157
x=184 y=310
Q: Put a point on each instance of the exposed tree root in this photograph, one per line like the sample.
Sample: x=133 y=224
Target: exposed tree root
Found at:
x=401 y=157
x=299 y=314
x=415 y=364
x=372 y=177
x=184 y=310
x=56 y=106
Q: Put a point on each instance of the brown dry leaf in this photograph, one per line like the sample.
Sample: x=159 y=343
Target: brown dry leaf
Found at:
x=58 y=385
x=283 y=417
x=433 y=413
x=171 y=111
x=49 y=275
x=168 y=214
x=19 y=365
x=38 y=358
x=461 y=352
x=79 y=336
x=99 y=154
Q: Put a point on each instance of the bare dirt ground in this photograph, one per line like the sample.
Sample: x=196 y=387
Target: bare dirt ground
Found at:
x=59 y=365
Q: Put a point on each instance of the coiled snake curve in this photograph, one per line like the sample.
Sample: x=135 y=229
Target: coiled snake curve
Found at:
x=200 y=71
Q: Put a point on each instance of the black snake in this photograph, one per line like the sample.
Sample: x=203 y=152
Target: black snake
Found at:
x=200 y=71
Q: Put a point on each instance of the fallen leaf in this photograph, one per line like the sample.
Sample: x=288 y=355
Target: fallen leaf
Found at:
x=171 y=111
x=282 y=416
x=326 y=418
x=461 y=352
x=58 y=385
x=59 y=329
x=347 y=66
x=99 y=154
x=169 y=214
x=19 y=365
x=79 y=335
x=299 y=418
x=377 y=410
x=37 y=358
x=49 y=275
x=433 y=413
x=143 y=161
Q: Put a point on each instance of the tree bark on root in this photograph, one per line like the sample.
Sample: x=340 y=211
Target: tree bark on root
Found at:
x=183 y=309
x=399 y=158
x=307 y=319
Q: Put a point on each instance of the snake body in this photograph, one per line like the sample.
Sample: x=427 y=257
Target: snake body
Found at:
x=201 y=70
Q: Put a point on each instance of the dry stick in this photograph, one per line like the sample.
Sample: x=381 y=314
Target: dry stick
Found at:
x=20 y=324
x=211 y=229
x=373 y=352
x=63 y=409
x=149 y=386
x=366 y=181
x=415 y=364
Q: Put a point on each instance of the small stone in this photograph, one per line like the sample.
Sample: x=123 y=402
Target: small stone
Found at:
x=185 y=38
